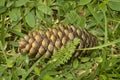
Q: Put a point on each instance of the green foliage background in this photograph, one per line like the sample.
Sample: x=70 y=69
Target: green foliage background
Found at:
x=100 y=17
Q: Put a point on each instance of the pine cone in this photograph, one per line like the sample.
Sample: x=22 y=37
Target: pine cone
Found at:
x=48 y=41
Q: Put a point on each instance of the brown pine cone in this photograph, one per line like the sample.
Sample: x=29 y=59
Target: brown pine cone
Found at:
x=47 y=42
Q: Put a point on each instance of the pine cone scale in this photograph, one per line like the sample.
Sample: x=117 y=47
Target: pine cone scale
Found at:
x=47 y=42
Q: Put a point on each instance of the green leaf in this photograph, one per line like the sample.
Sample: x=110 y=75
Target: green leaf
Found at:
x=75 y=19
x=75 y=63
x=114 y=5
x=6 y=77
x=18 y=72
x=32 y=68
x=16 y=32
x=15 y=14
x=47 y=77
x=96 y=16
x=85 y=59
x=40 y=15
x=71 y=17
x=84 y=2
x=3 y=51
x=30 y=19
x=17 y=27
x=2 y=2
x=98 y=59
x=69 y=76
x=2 y=69
x=10 y=63
x=81 y=21
x=9 y=3
x=103 y=77
x=45 y=9
x=20 y=3
x=2 y=9
x=37 y=71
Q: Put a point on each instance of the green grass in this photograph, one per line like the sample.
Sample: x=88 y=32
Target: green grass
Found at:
x=100 y=17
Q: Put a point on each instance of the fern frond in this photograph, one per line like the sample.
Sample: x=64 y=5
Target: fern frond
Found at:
x=62 y=56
